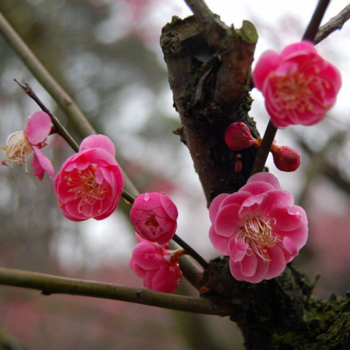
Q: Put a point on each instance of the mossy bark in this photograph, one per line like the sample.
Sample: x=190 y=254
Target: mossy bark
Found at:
x=209 y=74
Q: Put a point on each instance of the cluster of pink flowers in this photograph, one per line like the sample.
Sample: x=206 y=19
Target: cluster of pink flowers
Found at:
x=299 y=86
x=239 y=137
x=154 y=216
x=258 y=227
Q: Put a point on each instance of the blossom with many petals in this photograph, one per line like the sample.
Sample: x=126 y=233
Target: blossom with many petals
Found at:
x=90 y=183
x=154 y=216
x=157 y=265
x=258 y=227
x=299 y=86
x=22 y=143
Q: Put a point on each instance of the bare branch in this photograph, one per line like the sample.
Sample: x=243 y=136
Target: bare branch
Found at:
x=49 y=284
x=335 y=23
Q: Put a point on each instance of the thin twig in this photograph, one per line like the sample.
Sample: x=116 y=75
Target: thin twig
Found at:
x=49 y=284
x=190 y=251
x=271 y=130
x=59 y=128
x=333 y=24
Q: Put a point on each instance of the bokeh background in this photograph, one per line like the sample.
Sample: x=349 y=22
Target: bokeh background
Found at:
x=106 y=54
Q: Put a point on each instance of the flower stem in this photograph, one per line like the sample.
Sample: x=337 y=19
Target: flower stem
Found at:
x=271 y=130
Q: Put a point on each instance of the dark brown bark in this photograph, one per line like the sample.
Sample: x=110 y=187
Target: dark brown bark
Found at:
x=210 y=89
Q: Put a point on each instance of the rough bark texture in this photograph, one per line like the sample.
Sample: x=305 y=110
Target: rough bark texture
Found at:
x=209 y=74
x=211 y=91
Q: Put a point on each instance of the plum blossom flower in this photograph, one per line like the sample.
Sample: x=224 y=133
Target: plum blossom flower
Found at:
x=285 y=158
x=90 y=183
x=157 y=265
x=299 y=86
x=154 y=216
x=22 y=143
x=258 y=227
x=238 y=136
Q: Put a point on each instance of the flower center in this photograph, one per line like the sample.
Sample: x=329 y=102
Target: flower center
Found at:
x=17 y=149
x=300 y=93
x=85 y=188
x=258 y=234
x=152 y=221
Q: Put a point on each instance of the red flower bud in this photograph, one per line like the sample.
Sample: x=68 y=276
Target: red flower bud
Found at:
x=238 y=136
x=285 y=158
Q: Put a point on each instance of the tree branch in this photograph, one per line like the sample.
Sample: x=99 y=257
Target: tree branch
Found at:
x=335 y=23
x=49 y=284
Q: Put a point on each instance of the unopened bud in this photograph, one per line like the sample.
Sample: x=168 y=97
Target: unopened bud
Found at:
x=285 y=158
x=238 y=136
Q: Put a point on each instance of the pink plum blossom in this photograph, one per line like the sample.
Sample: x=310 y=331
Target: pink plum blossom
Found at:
x=299 y=86
x=90 y=183
x=258 y=227
x=154 y=216
x=238 y=136
x=157 y=265
x=22 y=143
x=285 y=158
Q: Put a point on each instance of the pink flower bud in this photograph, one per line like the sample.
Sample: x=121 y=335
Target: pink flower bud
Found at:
x=22 y=143
x=285 y=158
x=90 y=183
x=157 y=265
x=258 y=227
x=238 y=136
x=299 y=86
x=154 y=216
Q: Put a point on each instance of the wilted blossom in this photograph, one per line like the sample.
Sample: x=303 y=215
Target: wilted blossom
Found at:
x=258 y=227
x=285 y=158
x=157 y=265
x=22 y=143
x=154 y=216
x=299 y=86
x=238 y=136
x=90 y=183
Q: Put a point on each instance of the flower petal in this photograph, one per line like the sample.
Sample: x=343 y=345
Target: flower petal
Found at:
x=277 y=262
x=38 y=128
x=220 y=243
x=42 y=164
x=266 y=177
x=267 y=63
x=98 y=141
